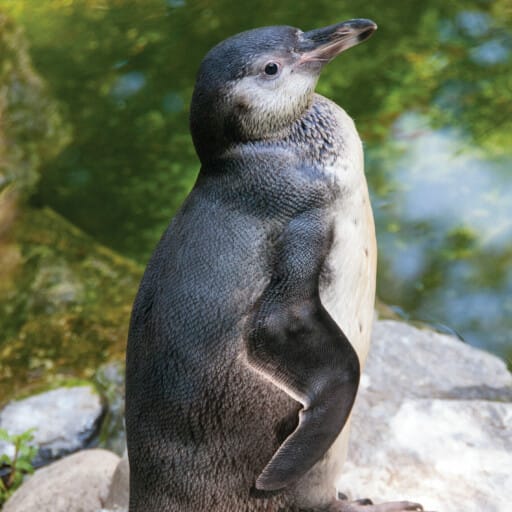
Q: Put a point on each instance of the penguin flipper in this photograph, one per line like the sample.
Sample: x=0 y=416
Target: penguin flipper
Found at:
x=294 y=342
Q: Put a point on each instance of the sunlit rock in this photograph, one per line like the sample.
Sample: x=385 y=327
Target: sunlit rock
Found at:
x=78 y=483
x=431 y=424
x=118 y=495
x=63 y=420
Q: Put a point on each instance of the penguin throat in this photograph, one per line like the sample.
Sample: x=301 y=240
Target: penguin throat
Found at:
x=219 y=121
x=250 y=123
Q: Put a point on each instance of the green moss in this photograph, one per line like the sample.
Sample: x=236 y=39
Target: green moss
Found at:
x=66 y=308
x=52 y=382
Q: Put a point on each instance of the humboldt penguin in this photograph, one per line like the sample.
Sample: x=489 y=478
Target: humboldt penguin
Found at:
x=253 y=318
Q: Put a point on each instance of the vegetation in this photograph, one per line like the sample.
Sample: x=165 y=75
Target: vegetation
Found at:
x=12 y=469
x=66 y=307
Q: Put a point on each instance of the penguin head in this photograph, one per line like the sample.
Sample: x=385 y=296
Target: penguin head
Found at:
x=255 y=84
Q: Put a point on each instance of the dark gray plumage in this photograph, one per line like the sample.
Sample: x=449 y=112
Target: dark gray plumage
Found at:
x=253 y=317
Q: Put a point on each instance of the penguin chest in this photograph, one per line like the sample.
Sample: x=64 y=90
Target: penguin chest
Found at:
x=347 y=281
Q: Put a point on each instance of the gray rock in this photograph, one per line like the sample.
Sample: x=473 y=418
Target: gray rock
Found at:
x=427 y=425
x=78 y=483
x=65 y=420
x=408 y=362
x=450 y=455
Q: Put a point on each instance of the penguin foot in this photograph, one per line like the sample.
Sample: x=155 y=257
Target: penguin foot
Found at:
x=366 y=505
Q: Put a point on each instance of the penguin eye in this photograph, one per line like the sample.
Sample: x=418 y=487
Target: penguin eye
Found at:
x=272 y=68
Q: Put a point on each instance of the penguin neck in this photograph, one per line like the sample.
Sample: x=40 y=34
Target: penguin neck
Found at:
x=312 y=136
x=316 y=135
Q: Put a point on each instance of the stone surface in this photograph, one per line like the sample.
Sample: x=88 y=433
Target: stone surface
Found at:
x=407 y=361
x=78 y=483
x=118 y=496
x=64 y=419
x=432 y=423
x=64 y=305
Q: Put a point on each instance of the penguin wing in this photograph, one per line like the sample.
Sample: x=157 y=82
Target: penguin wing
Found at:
x=293 y=341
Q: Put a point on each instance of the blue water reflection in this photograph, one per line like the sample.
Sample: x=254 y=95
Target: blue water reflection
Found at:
x=448 y=215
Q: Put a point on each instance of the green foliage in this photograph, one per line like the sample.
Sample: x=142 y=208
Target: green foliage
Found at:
x=13 y=469
x=460 y=243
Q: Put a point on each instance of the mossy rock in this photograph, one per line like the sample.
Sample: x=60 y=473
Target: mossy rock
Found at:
x=64 y=304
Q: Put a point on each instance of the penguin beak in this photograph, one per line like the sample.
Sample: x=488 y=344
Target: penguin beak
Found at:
x=317 y=47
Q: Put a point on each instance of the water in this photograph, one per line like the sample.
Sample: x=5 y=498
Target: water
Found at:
x=430 y=93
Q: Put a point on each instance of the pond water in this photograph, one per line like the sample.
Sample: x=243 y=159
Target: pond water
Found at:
x=431 y=94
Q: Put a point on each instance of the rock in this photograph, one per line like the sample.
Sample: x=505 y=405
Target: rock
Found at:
x=118 y=496
x=65 y=305
x=427 y=425
x=78 y=483
x=54 y=287
x=65 y=420
x=408 y=362
x=431 y=424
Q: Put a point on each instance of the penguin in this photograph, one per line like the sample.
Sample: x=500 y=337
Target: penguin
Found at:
x=252 y=322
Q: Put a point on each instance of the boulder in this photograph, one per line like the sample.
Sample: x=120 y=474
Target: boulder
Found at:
x=78 y=483
x=405 y=361
x=430 y=424
x=64 y=308
x=64 y=420
x=118 y=496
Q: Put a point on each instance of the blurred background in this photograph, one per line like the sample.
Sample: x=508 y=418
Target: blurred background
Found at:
x=95 y=158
